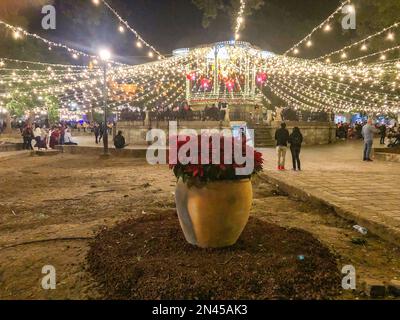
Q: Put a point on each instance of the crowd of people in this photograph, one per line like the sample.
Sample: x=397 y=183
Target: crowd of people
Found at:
x=40 y=137
x=183 y=111
x=43 y=138
x=389 y=135
x=366 y=131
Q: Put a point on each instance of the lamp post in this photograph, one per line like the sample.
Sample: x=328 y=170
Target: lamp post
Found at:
x=105 y=56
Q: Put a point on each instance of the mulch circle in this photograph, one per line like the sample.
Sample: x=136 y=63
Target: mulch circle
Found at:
x=148 y=258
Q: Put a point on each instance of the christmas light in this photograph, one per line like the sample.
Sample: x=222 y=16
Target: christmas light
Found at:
x=240 y=19
x=128 y=27
x=105 y=54
x=322 y=25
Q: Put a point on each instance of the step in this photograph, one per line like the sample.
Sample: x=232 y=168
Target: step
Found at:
x=45 y=153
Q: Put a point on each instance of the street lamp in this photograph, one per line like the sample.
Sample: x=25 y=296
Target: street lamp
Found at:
x=105 y=56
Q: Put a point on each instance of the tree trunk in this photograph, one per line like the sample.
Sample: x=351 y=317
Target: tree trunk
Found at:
x=8 y=123
x=90 y=115
x=30 y=118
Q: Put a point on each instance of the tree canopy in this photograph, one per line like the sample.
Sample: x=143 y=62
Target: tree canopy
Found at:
x=211 y=8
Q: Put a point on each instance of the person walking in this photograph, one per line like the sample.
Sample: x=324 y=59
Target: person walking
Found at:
x=282 y=138
x=368 y=132
x=296 y=140
x=382 y=132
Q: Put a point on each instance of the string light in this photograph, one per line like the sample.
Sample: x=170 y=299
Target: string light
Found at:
x=390 y=36
x=362 y=41
x=18 y=32
x=126 y=24
x=240 y=19
x=322 y=25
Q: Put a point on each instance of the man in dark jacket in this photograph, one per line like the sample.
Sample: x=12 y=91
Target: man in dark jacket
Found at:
x=119 y=141
x=382 y=131
x=282 y=138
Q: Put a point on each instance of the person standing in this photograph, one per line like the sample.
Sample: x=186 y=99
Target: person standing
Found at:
x=382 y=131
x=96 y=131
x=102 y=129
x=282 y=138
x=37 y=135
x=296 y=140
x=62 y=133
x=368 y=132
x=27 y=135
x=54 y=138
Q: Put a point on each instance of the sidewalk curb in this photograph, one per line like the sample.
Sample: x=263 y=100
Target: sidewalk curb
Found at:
x=382 y=230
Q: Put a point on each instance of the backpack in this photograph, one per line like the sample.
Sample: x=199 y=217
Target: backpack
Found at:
x=296 y=139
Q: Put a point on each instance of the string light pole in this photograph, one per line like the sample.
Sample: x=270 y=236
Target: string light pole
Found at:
x=105 y=56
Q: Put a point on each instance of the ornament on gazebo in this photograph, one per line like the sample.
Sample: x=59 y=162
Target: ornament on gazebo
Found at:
x=205 y=83
x=191 y=76
x=230 y=85
x=261 y=78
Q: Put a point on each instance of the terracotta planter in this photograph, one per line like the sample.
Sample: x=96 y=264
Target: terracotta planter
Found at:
x=215 y=215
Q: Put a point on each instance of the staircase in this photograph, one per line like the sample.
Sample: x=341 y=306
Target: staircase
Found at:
x=263 y=137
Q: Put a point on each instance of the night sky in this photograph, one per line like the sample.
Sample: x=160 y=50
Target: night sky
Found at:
x=171 y=24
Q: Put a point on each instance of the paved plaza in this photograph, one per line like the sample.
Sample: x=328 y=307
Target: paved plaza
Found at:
x=334 y=175
x=367 y=193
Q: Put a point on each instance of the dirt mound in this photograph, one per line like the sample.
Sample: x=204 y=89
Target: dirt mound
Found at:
x=148 y=258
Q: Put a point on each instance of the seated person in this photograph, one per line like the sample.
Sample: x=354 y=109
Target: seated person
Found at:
x=68 y=138
x=119 y=141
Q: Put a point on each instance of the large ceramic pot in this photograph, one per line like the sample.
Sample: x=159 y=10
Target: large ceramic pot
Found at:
x=214 y=215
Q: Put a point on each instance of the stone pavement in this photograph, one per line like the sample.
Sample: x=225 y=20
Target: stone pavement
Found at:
x=366 y=193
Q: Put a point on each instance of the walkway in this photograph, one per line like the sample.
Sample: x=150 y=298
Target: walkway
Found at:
x=367 y=193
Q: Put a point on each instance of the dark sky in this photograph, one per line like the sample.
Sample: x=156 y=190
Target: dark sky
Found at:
x=170 y=24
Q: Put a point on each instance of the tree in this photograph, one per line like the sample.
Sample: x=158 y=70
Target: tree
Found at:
x=373 y=16
x=52 y=105
x=211 y=9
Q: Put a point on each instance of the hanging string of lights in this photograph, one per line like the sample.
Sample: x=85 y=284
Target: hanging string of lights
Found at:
x=382 y=56
x=19 y=32
x=140 y=41
x=240 y=19
x=37 y=63
x=324 y=25
x=390 y=36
